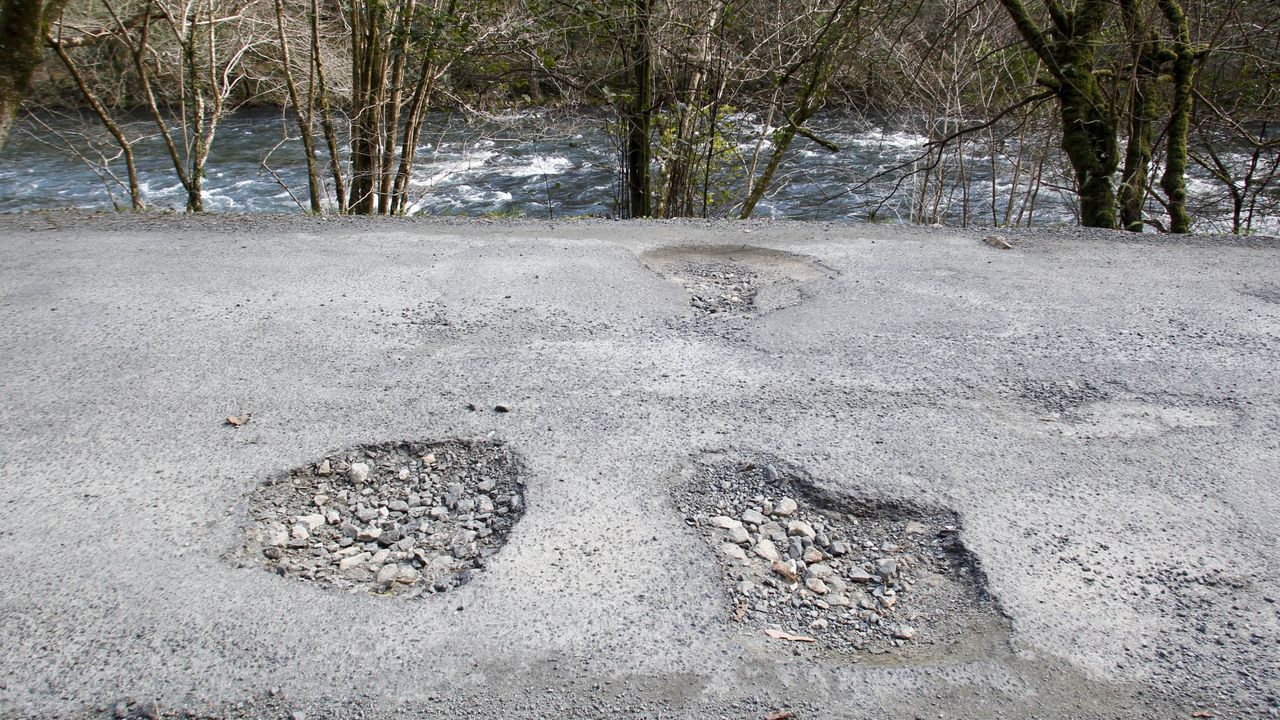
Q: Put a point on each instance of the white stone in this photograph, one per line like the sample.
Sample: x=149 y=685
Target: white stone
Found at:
x=353 y=561
x=358 y=473
x=785 y=507
x=767 y=550
x=733 y=552
x=800 y=528
x=725 y=523
x=739 y=535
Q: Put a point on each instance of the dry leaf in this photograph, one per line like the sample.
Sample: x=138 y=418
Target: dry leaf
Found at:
x=234 y=421
x=1202 y=714
x=779 y=635
x=780 y=715
x=996 y=241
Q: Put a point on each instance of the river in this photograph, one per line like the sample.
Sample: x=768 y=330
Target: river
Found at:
x=543 y=164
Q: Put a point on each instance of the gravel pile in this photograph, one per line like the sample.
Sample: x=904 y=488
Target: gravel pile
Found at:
x=719 y=288
x=861 y=581
x=401 y=518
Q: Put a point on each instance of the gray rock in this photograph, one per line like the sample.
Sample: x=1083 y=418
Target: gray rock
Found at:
x=369 y=534
x=857 y=574
x=453 y=494
x=904 y=632
x=324 y=469
x=739 y=535
x=387 y=575
x=487 y=485
x=785 y=507
x=795 y=548
x=840 y=548
x=886 y=568
x=733 y=551
x=752 y=517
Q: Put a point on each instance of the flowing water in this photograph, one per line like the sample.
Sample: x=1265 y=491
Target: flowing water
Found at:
x=554 y=165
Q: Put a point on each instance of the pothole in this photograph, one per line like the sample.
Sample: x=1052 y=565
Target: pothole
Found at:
x=858 y=577
x=735 y=280
x=398 y=518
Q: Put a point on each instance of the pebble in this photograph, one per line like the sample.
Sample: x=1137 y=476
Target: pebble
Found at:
x=915 y=527
x=733 y=551
x=359 y=473
x=767 y=550
x=369 y=534
x=324 y=469
x=857 y=574
x=785 y=507
x=800 y=528
x=904 y=632
x=353 y=561
x=387 y=575
x=816 y=585
x=752 y=517
x=739 y=535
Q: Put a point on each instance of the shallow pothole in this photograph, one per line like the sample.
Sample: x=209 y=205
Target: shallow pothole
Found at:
x=398 y=518
x=803 y=566
x=735 y=280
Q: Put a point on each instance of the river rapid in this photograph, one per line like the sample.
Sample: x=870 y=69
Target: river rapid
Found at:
x=544 y=164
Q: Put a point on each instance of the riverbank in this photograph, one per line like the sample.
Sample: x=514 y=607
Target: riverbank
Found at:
x=1084 y=423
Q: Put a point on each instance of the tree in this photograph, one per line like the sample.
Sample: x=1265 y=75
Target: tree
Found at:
x=1067 y=49
x=23 y=24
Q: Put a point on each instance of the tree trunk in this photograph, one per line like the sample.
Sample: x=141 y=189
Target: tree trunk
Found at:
x=638 y=114
x=1174 y=179
x=1088 y=122
x=1147 y=57
x=22 y=29
x=303 y=115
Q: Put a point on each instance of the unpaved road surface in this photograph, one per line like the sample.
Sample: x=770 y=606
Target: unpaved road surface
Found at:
x=1098 y=413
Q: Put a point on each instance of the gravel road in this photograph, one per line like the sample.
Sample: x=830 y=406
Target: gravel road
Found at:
x=1094 y=417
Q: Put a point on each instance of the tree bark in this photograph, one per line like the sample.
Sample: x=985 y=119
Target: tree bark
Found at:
x=23 y=24
x=303 y=115
x=638 y=114
x=1088 y=122
x=1174 y=179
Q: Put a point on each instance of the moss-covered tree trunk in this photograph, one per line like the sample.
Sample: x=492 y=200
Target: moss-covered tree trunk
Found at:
x=1088 y=120
x=22 y=28
x=1147 y=59
x=1174 y=179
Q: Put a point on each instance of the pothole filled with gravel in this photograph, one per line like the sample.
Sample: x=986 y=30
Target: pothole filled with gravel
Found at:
x=728 y=280
x=803 y=566
x=406 y=519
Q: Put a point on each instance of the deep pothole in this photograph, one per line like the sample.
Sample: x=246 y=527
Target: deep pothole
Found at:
x=735 y=280
x=854 y=576
x=401 y=518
